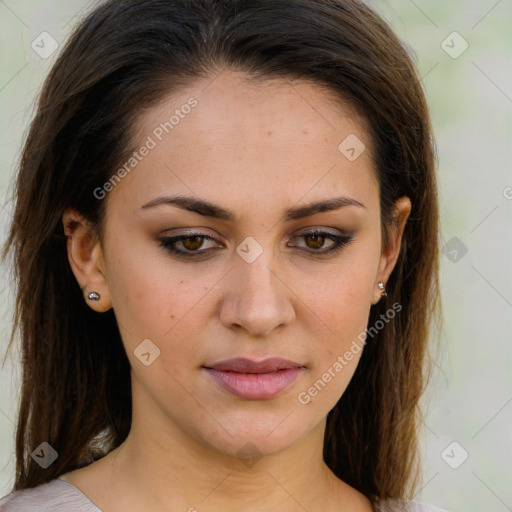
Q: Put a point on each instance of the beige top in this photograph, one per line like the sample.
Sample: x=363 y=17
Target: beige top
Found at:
x=61 y=496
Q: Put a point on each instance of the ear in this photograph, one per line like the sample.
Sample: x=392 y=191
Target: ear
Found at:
x=85 y=257
x=391 y=252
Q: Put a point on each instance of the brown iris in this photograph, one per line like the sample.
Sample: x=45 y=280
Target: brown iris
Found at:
x=317 y=239
x=197 y=242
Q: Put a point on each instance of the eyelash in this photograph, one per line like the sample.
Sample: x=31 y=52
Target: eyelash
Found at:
x=340 y=242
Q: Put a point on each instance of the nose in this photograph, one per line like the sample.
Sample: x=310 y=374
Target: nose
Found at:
x=257 y=296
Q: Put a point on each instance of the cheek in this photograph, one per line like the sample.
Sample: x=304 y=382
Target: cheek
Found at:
x=341 y=298
x=344 y=318
x=162 y=301
x=338 y=311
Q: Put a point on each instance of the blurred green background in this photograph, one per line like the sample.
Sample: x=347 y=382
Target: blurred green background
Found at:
x=463 y=51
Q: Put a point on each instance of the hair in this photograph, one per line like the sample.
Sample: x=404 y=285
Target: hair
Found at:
x=127 y=56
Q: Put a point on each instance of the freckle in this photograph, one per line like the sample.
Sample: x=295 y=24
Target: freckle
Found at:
x=172 y=316
x=305 y=132
x=269 y=133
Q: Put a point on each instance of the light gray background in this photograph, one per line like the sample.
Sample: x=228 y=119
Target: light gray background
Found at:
x=470 y=399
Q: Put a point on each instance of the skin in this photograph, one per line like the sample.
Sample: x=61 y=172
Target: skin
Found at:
x=257 y=149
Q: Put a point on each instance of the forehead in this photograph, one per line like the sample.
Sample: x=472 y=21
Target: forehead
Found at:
x=230 y=137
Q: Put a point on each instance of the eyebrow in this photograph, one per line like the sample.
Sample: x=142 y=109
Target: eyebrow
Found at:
x=208 y=209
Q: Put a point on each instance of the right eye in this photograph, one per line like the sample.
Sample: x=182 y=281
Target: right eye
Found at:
x=191 y=242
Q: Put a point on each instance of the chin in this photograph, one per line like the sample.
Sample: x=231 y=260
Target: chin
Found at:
x=254 y=438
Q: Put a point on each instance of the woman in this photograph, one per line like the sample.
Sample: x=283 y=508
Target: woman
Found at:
x=225 y=244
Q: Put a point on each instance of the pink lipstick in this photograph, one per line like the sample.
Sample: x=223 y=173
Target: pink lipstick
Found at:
x=255 y=380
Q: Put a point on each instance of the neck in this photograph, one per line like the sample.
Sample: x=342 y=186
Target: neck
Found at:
x=176 y=470
x=162 y=466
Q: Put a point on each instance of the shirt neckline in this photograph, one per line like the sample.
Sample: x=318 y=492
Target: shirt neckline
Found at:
x=78 y=491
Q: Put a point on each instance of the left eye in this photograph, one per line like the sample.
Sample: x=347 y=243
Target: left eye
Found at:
x=315 y=240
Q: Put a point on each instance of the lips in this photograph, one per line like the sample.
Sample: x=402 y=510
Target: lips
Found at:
x=255 y=380
x=243 y=365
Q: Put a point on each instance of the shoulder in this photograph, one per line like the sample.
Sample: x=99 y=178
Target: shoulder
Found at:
x=54 y=496
x=395 y=505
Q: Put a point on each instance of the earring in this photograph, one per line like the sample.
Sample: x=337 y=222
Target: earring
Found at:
x=382 y=288
x=93 y=296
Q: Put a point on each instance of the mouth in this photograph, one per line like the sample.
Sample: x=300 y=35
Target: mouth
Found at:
x=255 y=380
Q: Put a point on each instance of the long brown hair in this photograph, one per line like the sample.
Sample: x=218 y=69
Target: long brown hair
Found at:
x=126 y=56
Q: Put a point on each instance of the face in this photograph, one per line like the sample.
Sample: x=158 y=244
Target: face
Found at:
x=257 y=276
